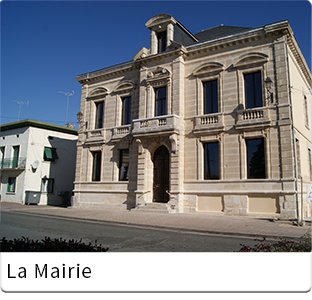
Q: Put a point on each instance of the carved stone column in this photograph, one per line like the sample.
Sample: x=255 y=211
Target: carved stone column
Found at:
x=169 y=33
x=153 y=42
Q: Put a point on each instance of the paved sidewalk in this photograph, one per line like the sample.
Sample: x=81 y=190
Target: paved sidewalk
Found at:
x=254 y=226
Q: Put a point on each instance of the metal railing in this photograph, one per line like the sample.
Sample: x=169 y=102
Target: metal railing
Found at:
x=13 y=163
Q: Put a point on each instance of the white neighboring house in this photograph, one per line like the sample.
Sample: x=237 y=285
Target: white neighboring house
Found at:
x=37 y=163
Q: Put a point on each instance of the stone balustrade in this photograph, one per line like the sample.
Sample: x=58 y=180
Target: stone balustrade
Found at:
x=95 y=135
x=253 y=114
x=121 y=131
x=253 y=117
x=158 y=124
x=209 y=122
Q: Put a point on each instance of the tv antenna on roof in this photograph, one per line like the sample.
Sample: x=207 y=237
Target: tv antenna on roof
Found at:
x=68 y=94
x=20 y=104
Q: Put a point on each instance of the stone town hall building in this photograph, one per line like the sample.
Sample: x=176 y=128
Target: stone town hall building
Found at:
x=217 y=121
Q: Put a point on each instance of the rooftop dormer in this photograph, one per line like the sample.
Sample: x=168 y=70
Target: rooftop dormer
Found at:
x=164 y=30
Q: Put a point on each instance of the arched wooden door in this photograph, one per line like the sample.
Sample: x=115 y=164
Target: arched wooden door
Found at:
x=161 y=175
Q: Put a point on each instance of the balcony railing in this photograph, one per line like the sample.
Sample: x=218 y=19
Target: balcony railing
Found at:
x=13 y=163
x=95 y=135
x=156 y=125
x=253 y=117
x=121 y=131
x=209 y=122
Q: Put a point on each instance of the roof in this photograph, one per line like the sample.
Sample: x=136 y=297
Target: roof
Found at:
x=37 y=124
x=219 y=31
x=216 y=34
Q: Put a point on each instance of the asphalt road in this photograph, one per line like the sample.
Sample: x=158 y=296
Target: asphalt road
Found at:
x=118 y=238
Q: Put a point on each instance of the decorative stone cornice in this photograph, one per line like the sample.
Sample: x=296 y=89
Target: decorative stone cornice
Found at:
x=117 y=70
x=208 y=68
x=160 y=20
x=125 y=86
x=251 y=59
x=270 y=31
x=158 y=77
x=97 y=93
x=296 y=51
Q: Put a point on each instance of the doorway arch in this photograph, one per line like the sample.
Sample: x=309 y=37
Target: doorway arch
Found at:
x=161 y=181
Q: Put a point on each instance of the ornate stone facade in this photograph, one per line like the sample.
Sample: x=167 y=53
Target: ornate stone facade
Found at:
x=227 y=110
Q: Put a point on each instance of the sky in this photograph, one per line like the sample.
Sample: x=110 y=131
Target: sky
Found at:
x=45 y=45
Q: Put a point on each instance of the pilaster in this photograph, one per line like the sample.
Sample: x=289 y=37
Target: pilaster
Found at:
x=153 y=42
x=142 y=93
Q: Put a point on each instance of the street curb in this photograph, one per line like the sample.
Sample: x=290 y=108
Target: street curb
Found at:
x=198 y=231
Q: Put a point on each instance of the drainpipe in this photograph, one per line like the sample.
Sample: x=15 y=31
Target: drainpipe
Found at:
x=299 y=221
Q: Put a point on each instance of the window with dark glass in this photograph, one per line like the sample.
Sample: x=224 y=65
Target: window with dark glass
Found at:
x=123 y=164
x=211 y=161
x=15 y=156
x=11 y=184
x=49 y=154
x=96 y=171
x=306 y=110
x=126 y=111
x=2 y=149
x=298 y=157
x=161 y=101
x=253 y=90
x=99 y=116
x=255 y=158
x=162 y=41
x=210 y=97
x=47 y=185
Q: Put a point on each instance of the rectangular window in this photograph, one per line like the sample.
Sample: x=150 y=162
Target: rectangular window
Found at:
x=49 y=154
x=99 y=115
x=161 y=101
x=298 y=158
x=255 y=158
x=306 y=111
x=15 y=156
x=123 y=164
x=126 y=111
x=211 y=160
x=253 y=90
x=2 y=151
x=162 y=41
x=97 y=161
x=47 y=185
x=11 y=184
x=210 y=97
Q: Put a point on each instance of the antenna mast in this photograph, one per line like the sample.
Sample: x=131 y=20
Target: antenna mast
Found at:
x=68 y=94
x=20 y=104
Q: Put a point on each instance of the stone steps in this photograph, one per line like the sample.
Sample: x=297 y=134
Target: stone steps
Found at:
x=152 y=208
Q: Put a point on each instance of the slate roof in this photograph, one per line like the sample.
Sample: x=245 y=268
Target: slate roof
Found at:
x=218 y=32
